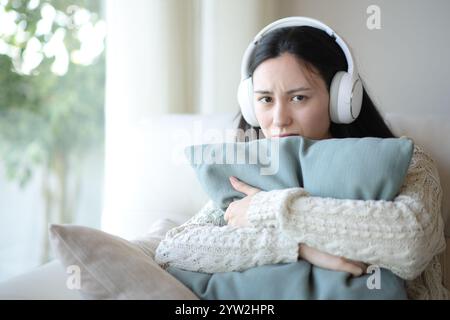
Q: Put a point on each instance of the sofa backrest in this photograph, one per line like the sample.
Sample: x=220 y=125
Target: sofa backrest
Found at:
x=145 y=178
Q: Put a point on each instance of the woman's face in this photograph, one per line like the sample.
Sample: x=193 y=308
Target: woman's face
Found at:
x=290 y=99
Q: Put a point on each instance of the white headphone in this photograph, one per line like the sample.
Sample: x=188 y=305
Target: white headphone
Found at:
x=346 y=90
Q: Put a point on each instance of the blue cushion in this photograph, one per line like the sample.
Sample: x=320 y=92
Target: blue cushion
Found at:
x=351 y=168
x=290 y=281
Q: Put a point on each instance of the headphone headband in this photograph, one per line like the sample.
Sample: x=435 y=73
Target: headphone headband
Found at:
x=296 y=22
x=346 y=91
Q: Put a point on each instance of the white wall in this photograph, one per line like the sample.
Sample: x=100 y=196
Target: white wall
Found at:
x=404 y=64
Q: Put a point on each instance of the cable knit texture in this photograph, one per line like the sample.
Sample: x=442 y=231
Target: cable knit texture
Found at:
x=206 y=244
x=404 y=235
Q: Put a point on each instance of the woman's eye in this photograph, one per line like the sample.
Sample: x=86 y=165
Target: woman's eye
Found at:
x=301 y=98
x=263 y=99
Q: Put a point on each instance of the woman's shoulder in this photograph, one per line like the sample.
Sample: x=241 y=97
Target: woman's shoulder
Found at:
x=421 y=158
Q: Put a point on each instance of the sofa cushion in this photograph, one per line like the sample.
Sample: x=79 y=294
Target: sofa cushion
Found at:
x=105 y=266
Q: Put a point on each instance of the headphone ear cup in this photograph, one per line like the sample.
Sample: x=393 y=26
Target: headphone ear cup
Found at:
x=245 y=99
x=357 y=97
x=334 y=96
x=341 y=98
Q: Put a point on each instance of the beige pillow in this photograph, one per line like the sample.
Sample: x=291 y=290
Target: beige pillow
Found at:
x=113 y=268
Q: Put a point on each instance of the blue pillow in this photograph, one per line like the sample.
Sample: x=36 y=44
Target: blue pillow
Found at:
x=291 y=281
x=350 y=168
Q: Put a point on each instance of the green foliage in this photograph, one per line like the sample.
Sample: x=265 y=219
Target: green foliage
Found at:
x=43 y=114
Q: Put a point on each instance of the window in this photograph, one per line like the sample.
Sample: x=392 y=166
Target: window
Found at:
x=52 y=80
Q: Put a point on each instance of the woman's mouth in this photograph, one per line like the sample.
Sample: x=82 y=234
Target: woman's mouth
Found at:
x=285 y=135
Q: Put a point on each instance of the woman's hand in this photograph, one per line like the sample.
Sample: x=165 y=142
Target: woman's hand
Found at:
x=236 y=213
x=328 y=261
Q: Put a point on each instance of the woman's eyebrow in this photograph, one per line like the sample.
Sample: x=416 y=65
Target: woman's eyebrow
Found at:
x=287 y=92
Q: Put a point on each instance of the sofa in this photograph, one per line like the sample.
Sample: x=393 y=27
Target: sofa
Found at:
x=146 y=179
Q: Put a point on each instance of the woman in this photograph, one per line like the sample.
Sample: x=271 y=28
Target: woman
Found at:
x=406 y=234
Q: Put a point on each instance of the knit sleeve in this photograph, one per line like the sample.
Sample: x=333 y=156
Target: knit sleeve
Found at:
x=402 y=235
x=206 y=244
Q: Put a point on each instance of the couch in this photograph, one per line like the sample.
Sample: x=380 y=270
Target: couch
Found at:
x=146 y=179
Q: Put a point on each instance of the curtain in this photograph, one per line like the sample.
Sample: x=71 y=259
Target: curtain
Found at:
x=178 y=56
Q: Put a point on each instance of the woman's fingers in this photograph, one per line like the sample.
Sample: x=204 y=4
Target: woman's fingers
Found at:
x=360 y=264
x=243 y=187
x=352 y=268
x=328 y=261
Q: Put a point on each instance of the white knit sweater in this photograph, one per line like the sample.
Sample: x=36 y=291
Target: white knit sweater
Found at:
x=404 y=235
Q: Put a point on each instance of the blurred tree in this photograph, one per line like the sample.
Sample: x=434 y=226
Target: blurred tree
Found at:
x=52 y=75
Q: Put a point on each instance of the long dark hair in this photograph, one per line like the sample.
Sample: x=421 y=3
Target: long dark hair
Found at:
x=316 y=48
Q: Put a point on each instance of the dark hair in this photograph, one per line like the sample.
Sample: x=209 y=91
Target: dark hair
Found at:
x=316 y=48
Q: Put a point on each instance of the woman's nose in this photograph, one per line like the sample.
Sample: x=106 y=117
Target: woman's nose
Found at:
x=281 y=116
